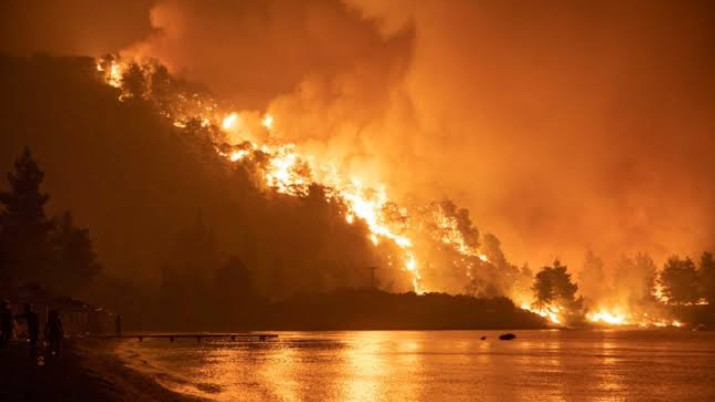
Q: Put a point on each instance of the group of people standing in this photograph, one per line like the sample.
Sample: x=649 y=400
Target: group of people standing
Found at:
x=54 y=331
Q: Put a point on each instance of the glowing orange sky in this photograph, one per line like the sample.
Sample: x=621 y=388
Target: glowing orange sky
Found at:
x=561 y=126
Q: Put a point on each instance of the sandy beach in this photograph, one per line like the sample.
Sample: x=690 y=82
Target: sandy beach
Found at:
x=87 y=371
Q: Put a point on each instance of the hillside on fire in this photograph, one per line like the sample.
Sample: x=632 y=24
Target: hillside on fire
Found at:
x=195 y=214
x=166 y=210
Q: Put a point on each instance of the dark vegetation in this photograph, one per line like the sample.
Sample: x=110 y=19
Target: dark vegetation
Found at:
x=34 y=247
x=139 y=182
x=187 y=241
x=359 y=309
x=688 y=290
x=60 y=256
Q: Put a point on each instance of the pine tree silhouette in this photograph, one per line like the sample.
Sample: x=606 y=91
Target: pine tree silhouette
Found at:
x=25 y=227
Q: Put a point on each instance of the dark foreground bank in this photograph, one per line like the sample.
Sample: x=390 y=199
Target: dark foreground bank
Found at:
x=87 y=371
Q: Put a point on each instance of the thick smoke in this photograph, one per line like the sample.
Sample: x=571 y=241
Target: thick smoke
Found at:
x=72 y=27
x=561 y=126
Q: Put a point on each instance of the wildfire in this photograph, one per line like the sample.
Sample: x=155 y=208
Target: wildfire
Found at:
x=112 y=73
x=237 y=155
x=551 y=312
x=621 y=317
x=608 y=317
x=268 y=122
x=290 y=172
x=229 y=121
x=287 y=170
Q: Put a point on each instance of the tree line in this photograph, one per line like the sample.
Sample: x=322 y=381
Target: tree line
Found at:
x=53 y=251
x=680 y=282
x=195 y=279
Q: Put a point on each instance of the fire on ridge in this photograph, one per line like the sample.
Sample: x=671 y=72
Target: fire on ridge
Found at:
x=291 y=172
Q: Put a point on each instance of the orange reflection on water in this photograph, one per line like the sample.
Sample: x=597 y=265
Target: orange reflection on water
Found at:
x=280 y=372
x=366 y=368
x=539 y=366
x=610 y=380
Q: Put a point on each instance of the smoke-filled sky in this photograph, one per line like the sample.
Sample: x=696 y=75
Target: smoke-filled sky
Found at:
x=561 y=125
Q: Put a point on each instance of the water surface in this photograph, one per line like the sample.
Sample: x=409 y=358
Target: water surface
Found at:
x=661 y=365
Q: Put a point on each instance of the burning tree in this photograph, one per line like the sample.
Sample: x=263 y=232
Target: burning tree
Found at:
x=555 y=293
x=635 y=282
x=592 y=278
x=553 y=285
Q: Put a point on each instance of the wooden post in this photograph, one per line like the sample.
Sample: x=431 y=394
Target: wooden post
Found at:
x=372 y=276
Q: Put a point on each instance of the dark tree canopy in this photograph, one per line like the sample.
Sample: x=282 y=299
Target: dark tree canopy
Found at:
x=679 y=281
x=234 y=281
x=554 y=285
x=25 y=227
x=706 y=277
x=75 y=259
x=134 y=82
x=59 y=256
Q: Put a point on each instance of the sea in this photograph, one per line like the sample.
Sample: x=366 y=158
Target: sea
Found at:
x=548 y=365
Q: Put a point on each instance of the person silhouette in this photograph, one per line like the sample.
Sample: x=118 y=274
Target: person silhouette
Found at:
x=118 y=326
x=33 y=327
x=54 y=332
x=6 y=323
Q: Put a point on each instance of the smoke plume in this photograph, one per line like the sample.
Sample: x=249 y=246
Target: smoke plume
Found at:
x=561 y=126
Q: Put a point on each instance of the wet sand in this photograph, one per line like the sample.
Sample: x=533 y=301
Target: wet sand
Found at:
x=86 y=371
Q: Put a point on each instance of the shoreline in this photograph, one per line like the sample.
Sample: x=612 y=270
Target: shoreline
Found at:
x=87 y=370
x=97 y=370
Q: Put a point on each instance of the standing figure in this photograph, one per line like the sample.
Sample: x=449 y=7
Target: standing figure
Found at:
x=54 y=332
x=33 y=328
x=118 y=326
x=7 y=325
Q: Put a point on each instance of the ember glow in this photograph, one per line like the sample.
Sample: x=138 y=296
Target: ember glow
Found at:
x=608 y=317
x=620 y=317
x=551 y=312
x=229 y=121
x=112 y=71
